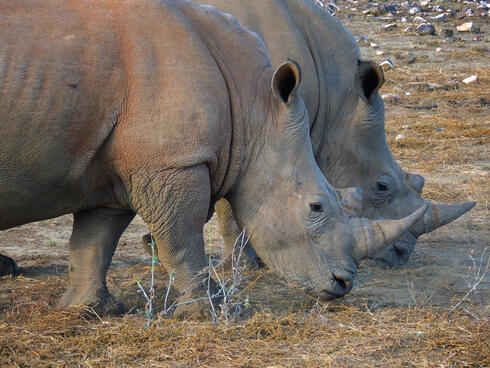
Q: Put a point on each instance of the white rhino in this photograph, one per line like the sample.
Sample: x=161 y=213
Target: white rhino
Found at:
x=161 y=108
x=347 y=119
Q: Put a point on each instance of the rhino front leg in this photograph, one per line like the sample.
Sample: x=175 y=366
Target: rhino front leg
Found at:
x=230 y=232
x=92 y=244
x=175 y=207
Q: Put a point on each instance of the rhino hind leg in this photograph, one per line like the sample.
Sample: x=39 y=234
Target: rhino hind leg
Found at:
x=8 y=266
x=230 y=232
x=92 y=244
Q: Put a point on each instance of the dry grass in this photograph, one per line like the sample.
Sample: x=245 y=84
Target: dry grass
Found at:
x=37 y=335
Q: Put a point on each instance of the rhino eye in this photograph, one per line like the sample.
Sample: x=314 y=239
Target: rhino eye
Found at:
x=382 y=187
x=316 y=207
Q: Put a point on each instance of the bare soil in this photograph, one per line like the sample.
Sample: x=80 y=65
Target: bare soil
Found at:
x=405 y=317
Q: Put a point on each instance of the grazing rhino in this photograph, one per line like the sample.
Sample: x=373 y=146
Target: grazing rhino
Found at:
x=161 y=108
x=346 y=116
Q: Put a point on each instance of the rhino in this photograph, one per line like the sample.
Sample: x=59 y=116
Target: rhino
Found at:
x=347 y=121
x=161 y=108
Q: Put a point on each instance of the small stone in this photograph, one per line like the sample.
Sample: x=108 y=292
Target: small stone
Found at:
x=374 y=45
x=471 y=79
x=466 y=27
x=403 y=20
x=414 y=10
x=419 y=20
x=389 y=27
x=439 y=49
x=391 y=97
x=399 y=137
x=439 y=18
x=362 y=41
x=438 y=9
x=408 y=29
x=424 y=3
x=469 y=12
x=406 y=126
x=380 y=53
x=426 y=29
x=386 y=65
x=440 y=129
x=446 y=32
x=412 y=59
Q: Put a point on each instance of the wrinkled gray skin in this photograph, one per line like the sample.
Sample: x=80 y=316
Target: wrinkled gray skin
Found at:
x=346 y=115
x=104 y=116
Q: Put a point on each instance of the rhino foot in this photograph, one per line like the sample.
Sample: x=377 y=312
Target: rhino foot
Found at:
x=8 y=266
x=100 y=301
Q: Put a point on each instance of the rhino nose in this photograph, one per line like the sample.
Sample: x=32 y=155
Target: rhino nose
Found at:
x=416 y=181
x=343 y=281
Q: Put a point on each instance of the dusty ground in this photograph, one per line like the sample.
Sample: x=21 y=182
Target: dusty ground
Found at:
x=392 y=318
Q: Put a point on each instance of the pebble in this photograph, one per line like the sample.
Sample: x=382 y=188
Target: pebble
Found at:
x=471 y=79
x=446 y=32
x=380 y=53
x=408 y=29
x=426 y=29
x=414 y=10
x=391 y=97
x=424 y=3
x=439 y=18
x=438 y=9
x=399 y=137
x=406 y=126
x=403 y=20
x=363 y=40
x=386 y=65
x=440 y=129
x=469 y=12
x=374 y=45
x=418 y=20
x=466 y=27
x=389 y=27
x=439 y=49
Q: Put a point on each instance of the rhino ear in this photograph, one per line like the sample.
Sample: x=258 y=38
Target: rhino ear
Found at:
x=370 y=78
x=285 y=81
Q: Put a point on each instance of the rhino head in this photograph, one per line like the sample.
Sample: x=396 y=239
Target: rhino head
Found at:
x=354 y=152
x=296 y=219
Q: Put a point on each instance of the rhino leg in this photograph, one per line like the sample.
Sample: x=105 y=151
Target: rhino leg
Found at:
x=92 y=244
x=230 y=232
x=8 y=266
x=175 y=209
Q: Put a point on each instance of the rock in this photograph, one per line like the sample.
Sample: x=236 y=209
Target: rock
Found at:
x=466 y=27
x=469 y=12
x=406 y=126
x=403 y=20
x=425 y=3
x=471 y=79
x=362 y=41
x=440 y=129
x=446 y=32
x=438 y=9
x=391 y=97
x=408 y=29
x=419 y=20
x=412 y=59
x=399 y=137
x=389 y=27
x=414 y=10
x=374 y=45
x=380 y=53
x=426 y=29
x=439 y=18
x=439 y=49
x=386 y=65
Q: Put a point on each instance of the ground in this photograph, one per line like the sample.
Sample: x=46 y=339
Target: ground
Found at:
x=432 y=312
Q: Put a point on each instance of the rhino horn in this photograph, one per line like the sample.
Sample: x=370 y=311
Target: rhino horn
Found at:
x=378 y=234
x=441 y=214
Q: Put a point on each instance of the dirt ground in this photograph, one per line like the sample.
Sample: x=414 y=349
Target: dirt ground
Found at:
x=424 y=314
